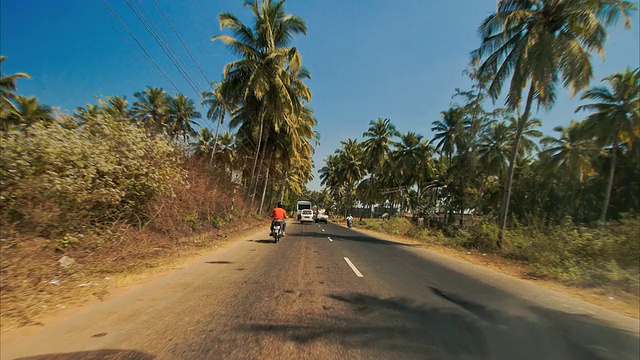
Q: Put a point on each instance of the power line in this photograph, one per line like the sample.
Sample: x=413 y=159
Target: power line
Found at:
x=163 y=46
x=137 y=52
x=181 y=41
x=140 y=45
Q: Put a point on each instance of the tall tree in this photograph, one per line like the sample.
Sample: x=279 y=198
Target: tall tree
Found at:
x=117 y=107
x=269 y=70
x=29 y=111
x=8 y=95
x=615 y=118
x=448 y=130
x=182 y=112
x=219 y=103
x=539 y=43
x=152 y=109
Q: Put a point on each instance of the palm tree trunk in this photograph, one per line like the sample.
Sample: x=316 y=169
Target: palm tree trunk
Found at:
x=283 y=183
x=215 y=138
x=255 y=188
x=461 y=201
x=266 y=180
x=512 y=166
x=612 y=165
x=255 y=160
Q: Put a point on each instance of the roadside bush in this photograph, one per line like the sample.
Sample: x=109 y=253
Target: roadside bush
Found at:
x=55 y=179
x=605 y=255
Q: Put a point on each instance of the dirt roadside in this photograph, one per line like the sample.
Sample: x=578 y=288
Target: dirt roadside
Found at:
x=621 y=303
x=32 y=307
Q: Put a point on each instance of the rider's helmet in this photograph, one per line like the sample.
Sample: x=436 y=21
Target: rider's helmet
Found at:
x=280 y=204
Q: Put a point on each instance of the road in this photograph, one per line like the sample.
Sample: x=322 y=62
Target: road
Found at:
x=326 y=292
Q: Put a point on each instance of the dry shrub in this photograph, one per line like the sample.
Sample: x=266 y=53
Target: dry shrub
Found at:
x=201 y=203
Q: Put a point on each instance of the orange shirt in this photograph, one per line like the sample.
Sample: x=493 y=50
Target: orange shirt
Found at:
x=279 y=214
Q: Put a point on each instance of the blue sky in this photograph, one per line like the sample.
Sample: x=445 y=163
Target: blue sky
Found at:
x=397 y=59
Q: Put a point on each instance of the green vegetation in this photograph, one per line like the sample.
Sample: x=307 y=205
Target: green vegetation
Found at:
x=487 y=163
x=117 y=183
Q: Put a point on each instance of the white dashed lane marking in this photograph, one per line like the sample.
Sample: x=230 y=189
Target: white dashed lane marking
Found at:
x=353 y=267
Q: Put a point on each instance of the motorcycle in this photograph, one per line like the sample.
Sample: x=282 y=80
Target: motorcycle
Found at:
x=277 y=231
x=349 y=223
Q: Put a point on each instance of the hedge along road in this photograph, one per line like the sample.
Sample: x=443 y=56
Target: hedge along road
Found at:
x=326 y=292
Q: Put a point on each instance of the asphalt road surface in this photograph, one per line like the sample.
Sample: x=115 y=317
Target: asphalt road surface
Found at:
x=326 y=292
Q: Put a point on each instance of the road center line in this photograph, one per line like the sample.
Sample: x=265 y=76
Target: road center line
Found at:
x=353 y=267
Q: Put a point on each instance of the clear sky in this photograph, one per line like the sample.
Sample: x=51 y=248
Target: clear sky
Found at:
x=400 y=59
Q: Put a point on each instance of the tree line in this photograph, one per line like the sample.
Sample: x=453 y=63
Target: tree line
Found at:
x=262 y=96
x=496 y=161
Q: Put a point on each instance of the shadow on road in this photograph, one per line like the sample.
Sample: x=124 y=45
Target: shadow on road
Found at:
x=351 y=237
x=270 y=241
x=462 y=329
x=110 y=354
x=218 y=262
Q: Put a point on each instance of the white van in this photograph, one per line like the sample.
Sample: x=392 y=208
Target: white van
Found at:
x=302 y=205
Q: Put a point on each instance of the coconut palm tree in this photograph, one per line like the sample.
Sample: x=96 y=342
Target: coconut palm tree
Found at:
x=226 y=150
x=448 y=130
x=87 y=113
x=615 y=118
x=203 y=144
x=152 y=109
x=181 y=113
x=7 y=93
x=571 y=153
x=28 y=111
x=539 y=43
x=269 y=70
x=528 y=129
x=117 y=107
x=351 y=166
x=219 y=104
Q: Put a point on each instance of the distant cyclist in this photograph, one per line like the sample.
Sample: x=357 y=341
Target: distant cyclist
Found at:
x=279 y=214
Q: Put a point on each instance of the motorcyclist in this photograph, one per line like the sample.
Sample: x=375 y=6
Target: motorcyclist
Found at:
x=279 y=214
x=349 y=220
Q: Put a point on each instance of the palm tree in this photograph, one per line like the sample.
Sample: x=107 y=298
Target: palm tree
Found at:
x=117 y=107
x=219 y=104
x=7 y=95
x=88 y=113
x=204 y=143
x=351 y=166
x=528 y=130
x=226 y=150
x=615 y=118
x=495 y=148
x=29 y=112
x=8 y=83
x=448 y=130
x=538 y=43
x=378 y=137
x=571 y=153
x=269 y=70
x=181 y=113
x=152 y=109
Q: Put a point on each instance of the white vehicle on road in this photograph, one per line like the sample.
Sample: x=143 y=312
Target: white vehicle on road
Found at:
x=306 y=216
x=302 y=205
x=320 y=217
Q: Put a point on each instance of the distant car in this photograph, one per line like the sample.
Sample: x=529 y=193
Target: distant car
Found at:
x=306 y=215
x=322 y=218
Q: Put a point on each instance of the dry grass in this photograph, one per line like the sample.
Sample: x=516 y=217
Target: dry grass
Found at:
x=35 y=284
x=194 y=216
